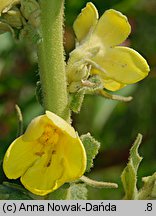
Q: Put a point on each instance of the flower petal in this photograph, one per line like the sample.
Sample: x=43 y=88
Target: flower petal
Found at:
x=41 y=179
x=123 y=65
x=60 y=123
x=112 y=28
x=109 y=84
x=74 y=155
x=86 y=20
x=112 y=85
x=67 y=163
x=35 y=128
x=19 y=157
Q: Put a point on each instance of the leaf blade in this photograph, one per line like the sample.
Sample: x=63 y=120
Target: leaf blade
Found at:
x=129 y=174
x=92 y=147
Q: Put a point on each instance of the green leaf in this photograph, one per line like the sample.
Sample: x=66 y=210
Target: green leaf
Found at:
x=129 y=174
x=76 y=100
x=76 y=191
x=59 y=194
x=10 y=191
x=92 y=147
x=148 y=191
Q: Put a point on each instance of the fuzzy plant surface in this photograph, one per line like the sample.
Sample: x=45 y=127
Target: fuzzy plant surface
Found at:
x=50 y=158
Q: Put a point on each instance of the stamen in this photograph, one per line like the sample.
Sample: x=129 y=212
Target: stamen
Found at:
x=39 y=153
x=98 y=67
x=48 y=141
x=49 y=162
x=54 y=152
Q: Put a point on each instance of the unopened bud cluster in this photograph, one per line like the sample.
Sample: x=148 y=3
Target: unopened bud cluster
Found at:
x=20 y=17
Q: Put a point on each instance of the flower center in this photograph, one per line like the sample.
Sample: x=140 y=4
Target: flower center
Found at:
x=50 y=136
x=48 y=141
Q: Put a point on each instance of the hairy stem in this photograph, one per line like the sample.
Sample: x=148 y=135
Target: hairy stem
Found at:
x=51 y=58
x=98 y=184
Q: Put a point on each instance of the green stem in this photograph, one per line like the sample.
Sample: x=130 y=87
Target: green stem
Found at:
x=114 y=97
x=51 y=58
x=98 y=184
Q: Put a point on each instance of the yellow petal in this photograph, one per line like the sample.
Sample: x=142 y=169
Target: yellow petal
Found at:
x=45 y=166
x=112 y=29
x=40 y=179
x=60 y=123
x=35 y=128
x=19 y=156
x=112 y=85
x=123 y=65
x=86 y=21
x=108 y=83
x=67 y=164
x=73 y=152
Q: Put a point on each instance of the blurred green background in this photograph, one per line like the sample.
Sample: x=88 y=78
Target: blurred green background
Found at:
x=114 y=124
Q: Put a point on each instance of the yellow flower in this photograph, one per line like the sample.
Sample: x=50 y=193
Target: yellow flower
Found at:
x=49 y=154
x=5 y=5
x=97 y=46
